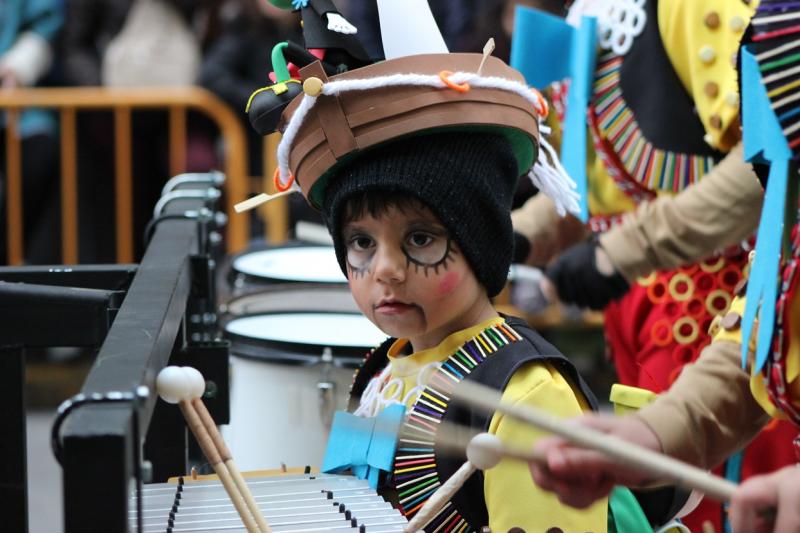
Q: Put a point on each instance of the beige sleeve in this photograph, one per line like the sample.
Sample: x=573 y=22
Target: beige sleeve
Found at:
x=720 y=210
x=709 y=412
x=547 y=232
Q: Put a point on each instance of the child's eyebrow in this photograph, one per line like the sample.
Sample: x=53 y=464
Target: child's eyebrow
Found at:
x=351 y=227
x=427 y=223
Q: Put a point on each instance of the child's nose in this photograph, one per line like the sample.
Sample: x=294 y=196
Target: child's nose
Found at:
x=390 y=265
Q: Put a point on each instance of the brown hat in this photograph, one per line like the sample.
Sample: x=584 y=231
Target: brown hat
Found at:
x=338 y=118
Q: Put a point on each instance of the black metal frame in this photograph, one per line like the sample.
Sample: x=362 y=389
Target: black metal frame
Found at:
x=100 y=443
x=35 y=315
x=13 y=466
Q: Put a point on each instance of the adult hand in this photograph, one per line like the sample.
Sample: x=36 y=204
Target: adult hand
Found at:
x=584 y=275
x=580 y=476
x=752 y=504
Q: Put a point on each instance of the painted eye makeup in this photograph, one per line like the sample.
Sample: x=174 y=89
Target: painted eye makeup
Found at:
x=360 y=249
x=428 y=250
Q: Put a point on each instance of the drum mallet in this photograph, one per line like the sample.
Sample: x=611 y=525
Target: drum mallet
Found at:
x=481 y=455
x=185 y=386
x=625 y=453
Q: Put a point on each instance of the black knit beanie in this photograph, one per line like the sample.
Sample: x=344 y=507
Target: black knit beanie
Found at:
x=467 y=179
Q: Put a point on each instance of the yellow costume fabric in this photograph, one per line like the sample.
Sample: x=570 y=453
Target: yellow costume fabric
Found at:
x=703 y=40
x=511 y=497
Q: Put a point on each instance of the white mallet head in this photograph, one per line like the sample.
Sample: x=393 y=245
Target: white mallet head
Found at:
x=173 y=384
x=197 y=381
x=484 y=451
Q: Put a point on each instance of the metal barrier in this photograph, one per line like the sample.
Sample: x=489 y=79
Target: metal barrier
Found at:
x=176 y=100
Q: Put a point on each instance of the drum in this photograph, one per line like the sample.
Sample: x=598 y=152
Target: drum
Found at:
x=290 y=297
x=290 y=371
x=291 y=264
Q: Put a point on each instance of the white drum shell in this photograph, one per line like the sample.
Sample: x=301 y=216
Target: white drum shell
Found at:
x=277 y=412
x=282 y=399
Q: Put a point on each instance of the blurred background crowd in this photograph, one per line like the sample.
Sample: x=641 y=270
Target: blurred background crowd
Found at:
x=221 y=45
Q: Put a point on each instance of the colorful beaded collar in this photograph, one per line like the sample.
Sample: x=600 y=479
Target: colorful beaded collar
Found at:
x=416 y=476
x=632 y=161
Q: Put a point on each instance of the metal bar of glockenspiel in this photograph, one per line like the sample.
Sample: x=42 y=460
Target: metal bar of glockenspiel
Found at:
x=288 y=502
x=209 y=497
x=268 y=507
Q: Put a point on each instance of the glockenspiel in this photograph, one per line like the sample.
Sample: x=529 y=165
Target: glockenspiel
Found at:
x=290 y=503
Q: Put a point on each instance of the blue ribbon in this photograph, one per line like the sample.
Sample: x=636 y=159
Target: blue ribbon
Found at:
x=763 y=142
x=570 y=53
x=364 y=445
x=299 y=4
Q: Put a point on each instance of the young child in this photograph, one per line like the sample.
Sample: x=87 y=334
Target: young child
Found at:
x=415 y=183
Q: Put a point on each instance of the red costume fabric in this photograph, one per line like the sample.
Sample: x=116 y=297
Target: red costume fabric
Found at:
x=660 y=326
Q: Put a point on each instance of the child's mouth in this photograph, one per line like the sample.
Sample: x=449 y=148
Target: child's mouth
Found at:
x=393 y=307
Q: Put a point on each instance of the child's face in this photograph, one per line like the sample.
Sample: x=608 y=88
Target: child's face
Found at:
x=409 y=278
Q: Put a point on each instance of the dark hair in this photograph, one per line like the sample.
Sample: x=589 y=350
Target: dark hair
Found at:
x=377 y=202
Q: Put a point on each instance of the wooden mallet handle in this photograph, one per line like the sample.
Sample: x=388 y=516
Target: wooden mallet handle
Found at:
x=625 y=453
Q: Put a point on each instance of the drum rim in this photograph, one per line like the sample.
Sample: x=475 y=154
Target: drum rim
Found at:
x=252 y=342
x=233 y=274
x=287 y=287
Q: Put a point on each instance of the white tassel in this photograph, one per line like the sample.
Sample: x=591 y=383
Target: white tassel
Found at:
x=550 y=177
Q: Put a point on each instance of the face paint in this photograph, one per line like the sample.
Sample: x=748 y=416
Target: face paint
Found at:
x=448 y=284
x=428 y=252
x=360 y=250
x=438 y=296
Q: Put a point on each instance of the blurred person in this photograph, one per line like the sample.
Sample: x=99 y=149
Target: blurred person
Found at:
x=92 y=28
x=27 y=31
x=667 y=159
x=237 y=62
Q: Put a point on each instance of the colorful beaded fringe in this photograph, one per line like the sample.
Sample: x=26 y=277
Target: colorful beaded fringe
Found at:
x=632 y=161
x=778 y=55
x=775 y=369
x=416 y=476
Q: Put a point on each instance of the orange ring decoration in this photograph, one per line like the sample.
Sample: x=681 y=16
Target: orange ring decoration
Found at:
x=657 y=292
x=712 y=296
x=544 y=107
x=695 y=307
x=458 y=87
x=705 y=266
x=661 y=332
x=685 y=338
x=726 y=277
x=684 y=354
x=677 y=279
x=276 y=179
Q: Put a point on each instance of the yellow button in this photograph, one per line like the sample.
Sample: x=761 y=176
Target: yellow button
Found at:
x=732 y=99
x=312 y=86
x=737 y=24
x=707 y=55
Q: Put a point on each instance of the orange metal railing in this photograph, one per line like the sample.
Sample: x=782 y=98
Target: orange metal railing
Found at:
x=177 y=100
